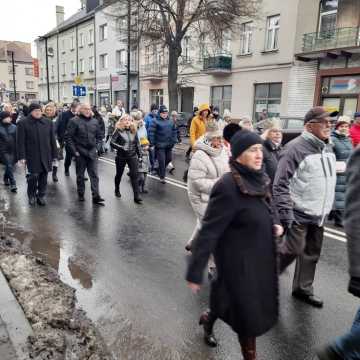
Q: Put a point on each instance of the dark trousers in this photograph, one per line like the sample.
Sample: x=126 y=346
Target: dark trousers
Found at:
x=152 y=158
x=303 y=242
x=85 y=163
x=9 y=174
x=68 y=158
x=133 y=164
x=164 y=157
x=37 y=184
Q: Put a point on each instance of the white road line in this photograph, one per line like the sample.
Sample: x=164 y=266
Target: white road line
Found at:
x=331 y=233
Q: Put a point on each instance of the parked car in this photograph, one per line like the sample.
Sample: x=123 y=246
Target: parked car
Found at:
x=183 y=121
x=292 y=127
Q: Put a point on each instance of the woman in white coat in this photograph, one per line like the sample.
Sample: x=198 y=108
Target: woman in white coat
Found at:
x=209 y=162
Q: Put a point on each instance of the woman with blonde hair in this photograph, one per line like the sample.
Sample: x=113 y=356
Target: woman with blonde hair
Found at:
x=50 y=112
x=128 y=150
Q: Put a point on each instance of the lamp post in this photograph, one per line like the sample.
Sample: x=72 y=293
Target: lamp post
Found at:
x=13 y=73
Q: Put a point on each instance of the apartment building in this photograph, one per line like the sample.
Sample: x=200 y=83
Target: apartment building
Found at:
x=67 y=56
x=26 y=83
x=328 y=41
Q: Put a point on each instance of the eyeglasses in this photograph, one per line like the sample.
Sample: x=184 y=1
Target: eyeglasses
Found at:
x=322 y=122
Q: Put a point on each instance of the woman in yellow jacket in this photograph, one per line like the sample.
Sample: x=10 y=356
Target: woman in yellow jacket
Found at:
x=198 y=123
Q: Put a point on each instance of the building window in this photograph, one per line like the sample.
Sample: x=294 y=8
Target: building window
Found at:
x=328 y=15
x=81 y=40
x=267 y=100
x=221 y=97
x=186 y=49
x=91 y=64
x=272 y=33
x=63 y=69
x=11 y=84
x=91 y=36
x=246 y=34
x=73 y=67
x=103 y=32
x=11 y=70
x=29 y=71
x=147 y=55
x=81 y=65
x=103 y=61
x=52 y=71
x=72 y=43
x=120 y=58
x=157 y=97
x=63 y=46
x=29 y=84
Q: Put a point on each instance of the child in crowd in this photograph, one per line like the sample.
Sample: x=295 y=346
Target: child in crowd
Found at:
x=144 y=165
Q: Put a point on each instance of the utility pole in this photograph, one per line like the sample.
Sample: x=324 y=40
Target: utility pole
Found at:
x=128 y=55
x=13 y=72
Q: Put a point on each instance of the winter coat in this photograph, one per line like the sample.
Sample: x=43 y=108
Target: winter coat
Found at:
x=62 y=124
x=8 y=143
x=355 y=134
x=238 y=230
x=206 y=167
x=83 y=135
x=148 y=120
x=36 y=144
x=126 y=143
x=304 y=185
x=101 y=122
x=352 y=212
x=162 y=133
x=271 y=158
x=197 y=129
x=342 y=148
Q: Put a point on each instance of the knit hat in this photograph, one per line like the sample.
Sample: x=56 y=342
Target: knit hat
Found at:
x=318 y=113
x=203 y=107
x=163 y=109
x=4 y=115
x=34 y=106
x=173 y=113
x=212 y=130
x=144 y=141
x=230 y=130
x=242 y=140
x=343 y=120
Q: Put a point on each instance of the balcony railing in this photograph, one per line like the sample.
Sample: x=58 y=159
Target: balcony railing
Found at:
x=152 y=71
x=218 y=63
x=332 y=39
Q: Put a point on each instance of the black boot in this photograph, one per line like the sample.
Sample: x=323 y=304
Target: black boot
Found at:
x=41 y=201
x=54 y=174
x=207 y=320
x=98 y=200
x=32 y=201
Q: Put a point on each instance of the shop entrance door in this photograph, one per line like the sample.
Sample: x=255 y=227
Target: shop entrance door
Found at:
x=346 y=105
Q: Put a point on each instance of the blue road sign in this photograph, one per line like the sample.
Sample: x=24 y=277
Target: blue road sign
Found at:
x=79 y=91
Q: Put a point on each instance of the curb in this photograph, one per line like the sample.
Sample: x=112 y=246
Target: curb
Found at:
x=14 y=318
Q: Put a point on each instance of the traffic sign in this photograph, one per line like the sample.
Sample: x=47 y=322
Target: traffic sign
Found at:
x=79 y=91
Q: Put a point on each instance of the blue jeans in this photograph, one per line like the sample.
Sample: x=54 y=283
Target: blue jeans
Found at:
x=163 y=156
x=348 y=345
x=9 y=174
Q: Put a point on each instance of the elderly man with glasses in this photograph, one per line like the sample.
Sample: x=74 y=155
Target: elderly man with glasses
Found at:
x=304 y=190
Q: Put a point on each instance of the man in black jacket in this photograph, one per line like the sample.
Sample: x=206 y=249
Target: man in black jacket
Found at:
x=83 y=137
x=61 y=126
x=36 y=148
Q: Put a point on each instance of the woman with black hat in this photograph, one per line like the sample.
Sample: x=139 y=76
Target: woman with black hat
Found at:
x=239 y=228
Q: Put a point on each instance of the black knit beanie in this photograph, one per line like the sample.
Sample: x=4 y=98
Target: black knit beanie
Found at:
x=34 y=106
x=230 y=130
x=242 y=140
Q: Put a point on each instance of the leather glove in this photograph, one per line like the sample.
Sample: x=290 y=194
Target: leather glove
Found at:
x=354 y=286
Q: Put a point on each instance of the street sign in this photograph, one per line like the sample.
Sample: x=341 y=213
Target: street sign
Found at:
x=77 y=80
x=79 y=91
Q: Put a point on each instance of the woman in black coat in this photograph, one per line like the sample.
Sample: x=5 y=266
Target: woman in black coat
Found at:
x=242 y=239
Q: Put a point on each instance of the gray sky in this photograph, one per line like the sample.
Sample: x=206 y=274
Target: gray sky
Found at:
x=25 y=20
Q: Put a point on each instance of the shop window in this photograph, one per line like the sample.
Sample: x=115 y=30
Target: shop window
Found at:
x=267 y=98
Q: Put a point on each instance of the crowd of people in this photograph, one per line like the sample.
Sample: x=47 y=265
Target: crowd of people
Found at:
x=259 y=205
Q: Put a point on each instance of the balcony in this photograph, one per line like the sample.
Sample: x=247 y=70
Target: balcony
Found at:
x=331 y=44
x=152 y=72
x=218 y=64
x=122 y=69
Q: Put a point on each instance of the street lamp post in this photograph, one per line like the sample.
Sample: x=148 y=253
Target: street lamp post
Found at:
x=13 y=73
x=128 y=55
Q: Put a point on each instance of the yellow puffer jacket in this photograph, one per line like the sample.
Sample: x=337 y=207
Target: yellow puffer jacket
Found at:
x=197 y=129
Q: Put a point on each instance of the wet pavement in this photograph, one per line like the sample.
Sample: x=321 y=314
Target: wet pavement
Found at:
x=127 y=264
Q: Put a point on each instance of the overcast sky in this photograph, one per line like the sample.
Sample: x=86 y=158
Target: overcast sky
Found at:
x=25 y=20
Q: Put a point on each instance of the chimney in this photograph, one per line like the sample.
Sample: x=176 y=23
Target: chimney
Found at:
x=60 y=15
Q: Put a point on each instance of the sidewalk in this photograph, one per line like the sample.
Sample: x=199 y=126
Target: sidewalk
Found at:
x=7 y=351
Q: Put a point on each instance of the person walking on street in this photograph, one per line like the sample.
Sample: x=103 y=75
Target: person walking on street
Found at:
x=239 y=228
x=342 y=148
x=36 y=148
x=149 y=118
x=84 y=138
x=144 y=165
x=216 y=114
x=118 y=109
x=8 y=149
x=304 y=191
x=163 y=136
x=101 y=122
x=355 y=130
x=128 y=152
x=348 y=346
x=50 y=114
x=198 y=124
x=61 y=127
x=188 y=151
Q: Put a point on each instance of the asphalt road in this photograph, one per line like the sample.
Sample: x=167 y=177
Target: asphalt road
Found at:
x=127 y=264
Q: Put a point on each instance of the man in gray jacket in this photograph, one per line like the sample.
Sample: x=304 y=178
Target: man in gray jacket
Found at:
x=304 y=190
x=348 y=345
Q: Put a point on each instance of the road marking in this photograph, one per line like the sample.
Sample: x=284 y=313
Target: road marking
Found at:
x=329 y=232
x=168 y=180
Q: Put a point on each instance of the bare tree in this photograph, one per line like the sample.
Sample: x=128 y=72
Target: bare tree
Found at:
x=169 y=21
